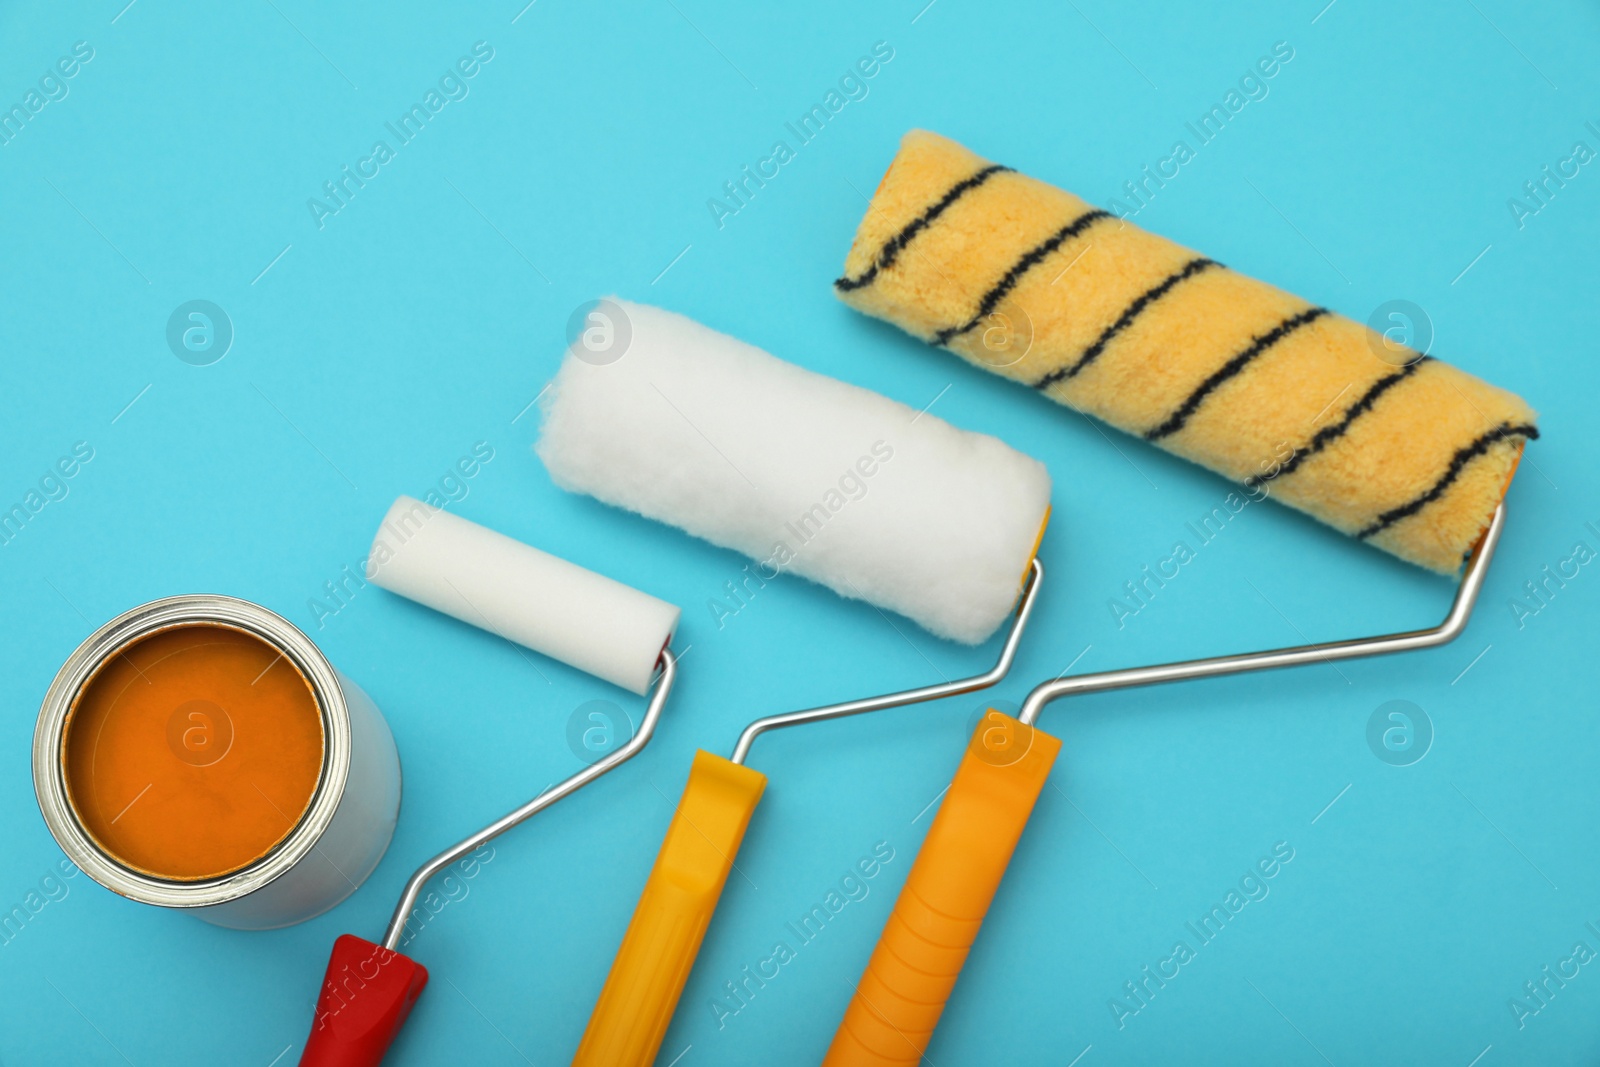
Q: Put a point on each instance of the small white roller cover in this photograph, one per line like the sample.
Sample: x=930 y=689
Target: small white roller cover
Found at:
x=492 y=581
x=800 y=472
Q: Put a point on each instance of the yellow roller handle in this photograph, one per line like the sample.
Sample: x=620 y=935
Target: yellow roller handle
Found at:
x=657 y=952
x=899 y=999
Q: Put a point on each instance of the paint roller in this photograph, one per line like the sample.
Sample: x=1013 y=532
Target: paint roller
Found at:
x=536 y=600
x=1380 y=442
x=806 y=475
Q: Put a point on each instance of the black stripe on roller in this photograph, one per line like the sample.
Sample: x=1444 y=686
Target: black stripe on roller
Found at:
x=1030 y=259
x=1258 y=345
x=1144 y=300
x=1330 y=433
x=1458 y=463
x=895 y=245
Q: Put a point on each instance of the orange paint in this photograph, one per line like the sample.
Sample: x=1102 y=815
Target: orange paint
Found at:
x=192 y=752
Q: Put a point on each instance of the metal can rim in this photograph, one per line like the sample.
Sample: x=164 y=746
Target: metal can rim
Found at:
x=49 y=774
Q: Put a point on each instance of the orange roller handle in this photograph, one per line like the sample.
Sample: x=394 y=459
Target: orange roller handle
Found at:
x=899 y=999
x=658 y=951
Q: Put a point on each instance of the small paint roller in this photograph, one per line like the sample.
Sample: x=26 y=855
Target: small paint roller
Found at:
x=539 y=601
x=1380 y=442
x=807 y=475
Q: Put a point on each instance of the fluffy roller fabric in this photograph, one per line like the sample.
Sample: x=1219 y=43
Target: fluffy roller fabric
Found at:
x=1394 y=448
x=802 y=473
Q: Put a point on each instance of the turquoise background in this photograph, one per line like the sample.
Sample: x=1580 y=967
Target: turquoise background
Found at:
x=371 y=353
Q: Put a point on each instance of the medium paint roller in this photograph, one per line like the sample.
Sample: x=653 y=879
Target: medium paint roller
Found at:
x=532 y=598
x=1382 y=443
x=807 y=475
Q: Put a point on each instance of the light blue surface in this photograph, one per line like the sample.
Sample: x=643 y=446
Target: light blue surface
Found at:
x=426 y=315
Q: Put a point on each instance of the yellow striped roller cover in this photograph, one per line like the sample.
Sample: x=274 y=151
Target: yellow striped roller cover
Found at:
x=1290 y=399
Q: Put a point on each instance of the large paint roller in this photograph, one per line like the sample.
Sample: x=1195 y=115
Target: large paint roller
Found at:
x=539 y=601
x=806 y=475
x=1401 y=451
x=1380 y=442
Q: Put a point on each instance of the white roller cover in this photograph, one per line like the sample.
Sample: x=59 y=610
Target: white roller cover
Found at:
x=800 y=472
x=485 y=578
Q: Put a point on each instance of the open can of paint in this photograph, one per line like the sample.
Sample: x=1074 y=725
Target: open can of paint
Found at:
x=201 y=752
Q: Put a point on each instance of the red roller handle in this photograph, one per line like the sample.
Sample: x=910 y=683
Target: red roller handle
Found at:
x=366 y=995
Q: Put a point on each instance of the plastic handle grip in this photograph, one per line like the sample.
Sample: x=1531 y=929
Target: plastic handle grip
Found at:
x=899 y=999
x=366 y=995
x=657 y=952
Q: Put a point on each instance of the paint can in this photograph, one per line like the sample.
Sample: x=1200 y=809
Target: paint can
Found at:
x=331 y=845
